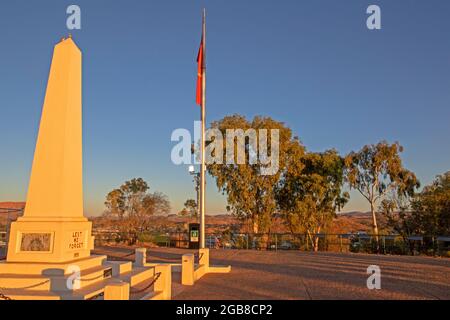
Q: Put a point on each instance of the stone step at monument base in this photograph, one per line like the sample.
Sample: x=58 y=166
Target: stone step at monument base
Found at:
x=87 y=292
x=138 y=275
x=54 y=283
x=142 y=291
x=119 y=267
x=30 y=295
x=48 y=269
x=80 y=294
x=54 y=277
x=92 y=283
x=87 y=278
x=32 y=282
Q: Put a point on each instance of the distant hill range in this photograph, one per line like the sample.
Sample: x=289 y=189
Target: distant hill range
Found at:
x=12 y=214
x=355 y=214
x=351 y=222
x=348 y=222
x=12 y=205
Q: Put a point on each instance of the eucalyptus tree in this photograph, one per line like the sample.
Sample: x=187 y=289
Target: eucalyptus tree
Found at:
x=377 y=172
x=310 y=191
x=243 y=176
x=431 y=207
x=190 y=209
x=130 y=207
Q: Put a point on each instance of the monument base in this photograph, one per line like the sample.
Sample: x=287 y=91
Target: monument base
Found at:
x=50 y=240
x=84 y=279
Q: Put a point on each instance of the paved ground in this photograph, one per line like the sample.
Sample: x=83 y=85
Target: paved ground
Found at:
x=304 y=275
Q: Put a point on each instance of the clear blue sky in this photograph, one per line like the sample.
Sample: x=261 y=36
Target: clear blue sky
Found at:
x=311 y=64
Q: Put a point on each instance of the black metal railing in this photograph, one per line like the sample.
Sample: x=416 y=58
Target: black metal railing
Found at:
x=344 y=242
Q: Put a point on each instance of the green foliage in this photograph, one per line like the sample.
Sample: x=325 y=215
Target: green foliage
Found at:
x=398 y=217
x=310 y=190
x=131 y=206
x=431 y=207
x=190 y=209
x=377 y=172
x=427 y=213
x=250 y=194
x=155 y=238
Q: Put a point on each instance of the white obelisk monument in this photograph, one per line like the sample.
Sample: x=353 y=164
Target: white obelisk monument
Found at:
x=53 y=228
x=49 y=247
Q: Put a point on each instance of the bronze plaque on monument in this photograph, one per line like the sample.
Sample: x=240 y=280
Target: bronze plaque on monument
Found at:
x=35 y=242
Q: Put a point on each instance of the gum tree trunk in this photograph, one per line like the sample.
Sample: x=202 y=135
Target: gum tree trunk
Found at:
x=375 y=225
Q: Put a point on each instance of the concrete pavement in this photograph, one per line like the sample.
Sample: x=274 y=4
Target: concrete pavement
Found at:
x=306 y=275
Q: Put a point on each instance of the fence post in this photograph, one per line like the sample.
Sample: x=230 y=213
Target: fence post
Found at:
x=276 y=242
x=433 y=244
x=140 y=258
x=187 y=269
x=164 y=282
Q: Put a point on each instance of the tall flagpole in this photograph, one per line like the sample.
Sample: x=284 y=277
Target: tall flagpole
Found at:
x=203 y=119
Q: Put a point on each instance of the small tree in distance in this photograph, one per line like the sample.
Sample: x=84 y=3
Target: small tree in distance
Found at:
x=190 y=209
x=131 y=207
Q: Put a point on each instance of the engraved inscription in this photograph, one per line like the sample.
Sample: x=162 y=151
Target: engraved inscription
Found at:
x=77 y=240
